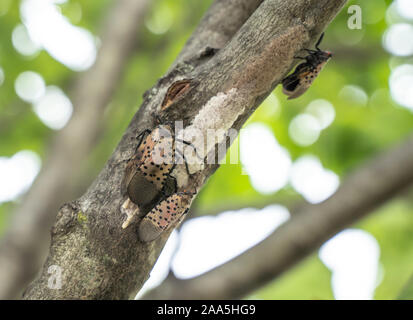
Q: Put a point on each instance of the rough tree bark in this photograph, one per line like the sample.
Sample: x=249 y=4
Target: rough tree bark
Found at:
x=100 y=260
x=364 y=190
x=24 y=248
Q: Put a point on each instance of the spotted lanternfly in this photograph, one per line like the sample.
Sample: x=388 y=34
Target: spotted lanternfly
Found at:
x=168 y=213
x=301 y=79
x=143 y=172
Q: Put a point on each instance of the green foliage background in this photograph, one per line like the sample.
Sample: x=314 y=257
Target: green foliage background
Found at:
x=357 y=133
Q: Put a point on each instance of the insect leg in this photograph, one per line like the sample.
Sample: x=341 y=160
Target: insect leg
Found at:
x=158 y=119
x=310 y=51
x=121 y=161
x=191 y=145
x=141 y=136
x=184 y=160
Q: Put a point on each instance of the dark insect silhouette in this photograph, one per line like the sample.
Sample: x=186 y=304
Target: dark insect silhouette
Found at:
x=305 y=73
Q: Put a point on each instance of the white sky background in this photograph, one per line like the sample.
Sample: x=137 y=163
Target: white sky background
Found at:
x=352 y=256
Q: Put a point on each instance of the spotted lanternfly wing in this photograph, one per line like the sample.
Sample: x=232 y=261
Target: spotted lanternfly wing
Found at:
x=175 y=92
x=148 y=171
x=156 y=173
x=168 y=213
x=152 y=163
x=160 y=162
x=298 y=82
x=143 y=151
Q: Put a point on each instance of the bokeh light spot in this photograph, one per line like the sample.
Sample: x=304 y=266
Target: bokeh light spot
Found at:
x=71 y=45
x=29 y=86
x=354 y=95
x=323 y=110
x=54 y=108
x=312 y=181
x=259 y=152
x=401 y=85
x=160 y=21
x=17 y=174
x=22 y=41
x=304 y=129
x=398 y=39
x=405 y=8
x=353 y=258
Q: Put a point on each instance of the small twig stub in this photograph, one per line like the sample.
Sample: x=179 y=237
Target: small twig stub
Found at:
x=175 y=92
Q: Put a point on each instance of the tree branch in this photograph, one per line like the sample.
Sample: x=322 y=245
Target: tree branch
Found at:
x=99 y=259
x=24 y=247
x=222 y=20
x=363 y=191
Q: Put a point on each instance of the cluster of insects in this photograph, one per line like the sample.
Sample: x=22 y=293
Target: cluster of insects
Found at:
x=151 y=189
x=149 y=185
x=305 y=73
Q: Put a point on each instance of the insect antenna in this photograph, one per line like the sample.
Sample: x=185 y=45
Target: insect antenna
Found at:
x=190 y=145
x=319 y=41
x=140 y=137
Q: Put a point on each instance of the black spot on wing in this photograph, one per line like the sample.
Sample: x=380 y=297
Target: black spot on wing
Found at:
x=291 y=83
